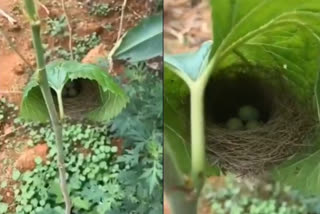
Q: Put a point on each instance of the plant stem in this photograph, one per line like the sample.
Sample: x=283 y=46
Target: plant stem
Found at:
x=45 y=89
x=197 y=134
x=60 y=104
x=121 y=19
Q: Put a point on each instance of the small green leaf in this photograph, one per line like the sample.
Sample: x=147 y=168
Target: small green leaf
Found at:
x=113 y=97
x=28 y=208
x=3 y=208
x=4 y=184
x=38 y=160
x=54 y=188
x=80 y=203
x=114 y=149
x=16 y=174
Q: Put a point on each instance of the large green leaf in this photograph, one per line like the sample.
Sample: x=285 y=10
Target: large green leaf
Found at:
x=236 y=19
x=303 y=173
x=33 y=106
x=113 y=104
x=283 y=36
x=113 y=97
x=142 y=42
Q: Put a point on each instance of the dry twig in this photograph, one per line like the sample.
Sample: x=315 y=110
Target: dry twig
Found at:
x=121 y=19
x=9 y=18
x=110 y=60
x=44 y=7
x=69 y=27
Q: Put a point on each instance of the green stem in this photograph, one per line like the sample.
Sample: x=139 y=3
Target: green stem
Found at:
x=45 y=89
x=197 y=134
x=60 y=104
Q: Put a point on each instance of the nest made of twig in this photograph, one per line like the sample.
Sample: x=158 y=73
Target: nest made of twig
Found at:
x=86 y=101
x=253 y=151
x=285 y=131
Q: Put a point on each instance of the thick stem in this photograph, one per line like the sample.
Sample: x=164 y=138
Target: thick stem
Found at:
x=45 y=89
x=197 y=134
x=57 y=127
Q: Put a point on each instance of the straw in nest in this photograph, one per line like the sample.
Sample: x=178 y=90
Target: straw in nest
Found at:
x=286 y=129
x=87 y=99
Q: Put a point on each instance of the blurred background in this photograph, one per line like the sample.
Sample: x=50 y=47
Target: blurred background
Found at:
x=185 y=27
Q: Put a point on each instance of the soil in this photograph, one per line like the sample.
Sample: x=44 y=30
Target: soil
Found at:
x=186 y=27
x=15 y=72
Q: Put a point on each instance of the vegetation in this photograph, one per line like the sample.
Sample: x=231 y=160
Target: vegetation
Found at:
x=266 y=42
x=82 y=46
x=99 y=174
x=264 y=198
x=100 y=180
x=99 y=9
x=57 y=26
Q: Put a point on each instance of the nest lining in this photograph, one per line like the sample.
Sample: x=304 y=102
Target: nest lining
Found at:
x=286 y=125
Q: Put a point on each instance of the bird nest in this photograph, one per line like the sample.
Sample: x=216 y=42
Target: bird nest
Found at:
x=80 y=97
x=285 y=129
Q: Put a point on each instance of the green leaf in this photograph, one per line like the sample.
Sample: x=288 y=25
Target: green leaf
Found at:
x=112 y=105
x=317 y=94
x=142 y=42
x=38 y=160
x=54 y=189
x=190 y=64
x=302 y=173
x=57 y=75
x=16 y=174
x=234 y=19
x=80 y=203
x=113 y=97
x=4 y=184
x=3 y=208
x=33 y=106
x=176 y=135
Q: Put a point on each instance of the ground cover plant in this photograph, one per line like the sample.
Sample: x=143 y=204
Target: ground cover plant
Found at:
x=100 y=180
x=232 y=196
x=264 y=57
x=94 y=176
